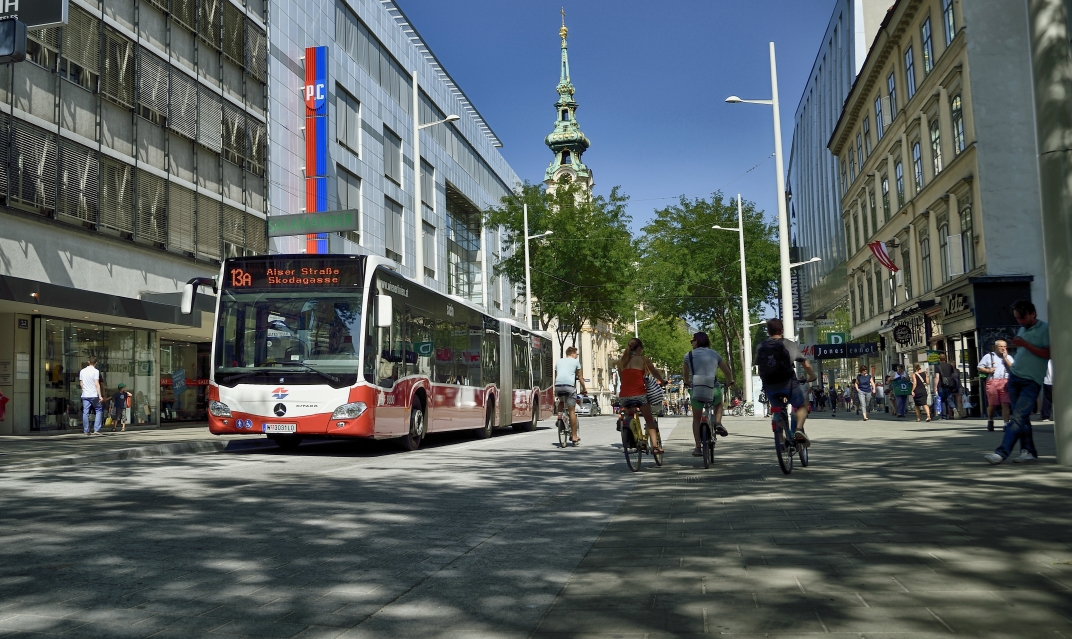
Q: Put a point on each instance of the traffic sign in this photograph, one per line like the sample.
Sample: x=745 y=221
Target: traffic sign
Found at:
x=805 y=324
x=824 y=322
x=836 y=338
x=35 y=13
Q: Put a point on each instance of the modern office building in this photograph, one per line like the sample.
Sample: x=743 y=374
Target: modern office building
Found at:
x=149 y=139
x=813 y=170
x=939 y=175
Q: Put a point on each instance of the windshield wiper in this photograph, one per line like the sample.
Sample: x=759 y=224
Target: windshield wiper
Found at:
x=236 y=376
x=327 y=376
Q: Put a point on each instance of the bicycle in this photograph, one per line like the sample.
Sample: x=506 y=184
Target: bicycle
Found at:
x=707 y=434
x=563 y=425
x=785 y=444
x=635 y=438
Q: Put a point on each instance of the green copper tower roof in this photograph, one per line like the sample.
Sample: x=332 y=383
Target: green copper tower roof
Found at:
x=567 y=141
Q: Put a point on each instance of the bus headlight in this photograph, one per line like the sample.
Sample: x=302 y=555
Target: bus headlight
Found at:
x=219 y=409
x=350 y=411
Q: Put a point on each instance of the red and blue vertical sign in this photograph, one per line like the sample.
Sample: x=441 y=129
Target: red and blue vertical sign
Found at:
x=315 y=93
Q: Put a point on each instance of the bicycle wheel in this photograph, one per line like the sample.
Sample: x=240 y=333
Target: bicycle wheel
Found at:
x=803 y=451
x=781 y=444
x=707 y=444
x=629 y=447
x=563 y=432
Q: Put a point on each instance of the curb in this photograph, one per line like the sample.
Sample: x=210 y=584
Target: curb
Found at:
x=157 y=450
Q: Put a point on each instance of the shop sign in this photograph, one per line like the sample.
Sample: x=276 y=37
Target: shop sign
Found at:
x=910 y=333
x=306 y=223
x=824 y=322
x=838 y=351
x=935 y=323
x=35 y=13
x=314 y=93
x=24 y=323
x=836 y=338
x=955 y=303
x=5 y=372
x=932 y=356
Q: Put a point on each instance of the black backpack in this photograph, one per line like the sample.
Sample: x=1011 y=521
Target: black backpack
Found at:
x=774 y=364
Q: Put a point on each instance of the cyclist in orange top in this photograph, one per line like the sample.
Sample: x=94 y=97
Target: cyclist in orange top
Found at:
x=632 y=366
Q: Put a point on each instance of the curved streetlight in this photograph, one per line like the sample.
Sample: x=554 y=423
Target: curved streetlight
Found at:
x=528 y=273
x=783 y=216
x=418 y=215
x=746 y=355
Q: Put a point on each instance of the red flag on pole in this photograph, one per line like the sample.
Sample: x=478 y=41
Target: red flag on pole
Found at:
x=879 y=251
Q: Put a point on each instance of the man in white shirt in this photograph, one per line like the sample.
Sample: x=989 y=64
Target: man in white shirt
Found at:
x=89 y=377
x=997 y=382
x=567 y=374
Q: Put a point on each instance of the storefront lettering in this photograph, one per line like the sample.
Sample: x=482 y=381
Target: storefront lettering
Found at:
x=910 y=333
x=956 y=303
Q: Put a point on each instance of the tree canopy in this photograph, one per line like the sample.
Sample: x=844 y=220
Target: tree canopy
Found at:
x=692 y=271
x=666 y=340
x=583 y=271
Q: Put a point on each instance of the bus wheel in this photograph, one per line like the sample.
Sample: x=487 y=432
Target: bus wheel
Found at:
x=413 y=440
x=530 y=426
x=287 y=442
x=489 y=423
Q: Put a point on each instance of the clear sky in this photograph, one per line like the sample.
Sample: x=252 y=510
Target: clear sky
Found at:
x=651 y=80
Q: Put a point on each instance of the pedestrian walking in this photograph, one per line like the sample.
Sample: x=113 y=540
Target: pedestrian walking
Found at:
x=901 y=387
x=1026 y=375
x=120 y=408
x=1047 y=392
x=89 y=378
x=920 y=386
x=833 y=400
x=947 y=386
x=865 y=386
x=766 y=403
x=996 y=382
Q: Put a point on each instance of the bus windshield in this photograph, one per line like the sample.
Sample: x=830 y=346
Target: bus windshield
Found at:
x=312 y=336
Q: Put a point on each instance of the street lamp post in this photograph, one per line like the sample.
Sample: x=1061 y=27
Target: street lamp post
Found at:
x=636 y=324
x=528 y=273
x=783 y=219
x=746 y=356
x=418 y=216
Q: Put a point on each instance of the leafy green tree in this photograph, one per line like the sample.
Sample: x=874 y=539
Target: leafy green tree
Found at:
x=583 y=271
x=666 y=340
x=691 y=271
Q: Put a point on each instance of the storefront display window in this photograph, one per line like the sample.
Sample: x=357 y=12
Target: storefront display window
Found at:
x=63 y=348
x=186 y=365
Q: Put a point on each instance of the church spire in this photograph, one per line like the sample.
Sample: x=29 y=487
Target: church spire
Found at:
x=567 y=141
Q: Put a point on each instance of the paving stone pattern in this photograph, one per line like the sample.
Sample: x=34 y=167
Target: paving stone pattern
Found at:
x=897 y=529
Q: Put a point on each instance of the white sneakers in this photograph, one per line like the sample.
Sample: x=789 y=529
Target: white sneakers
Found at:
x=1025 y=456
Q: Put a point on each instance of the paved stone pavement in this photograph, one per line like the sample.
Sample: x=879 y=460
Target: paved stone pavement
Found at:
x=897 y=529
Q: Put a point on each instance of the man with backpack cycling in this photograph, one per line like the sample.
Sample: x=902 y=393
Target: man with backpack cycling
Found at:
x=700 y=372
x=776 y=358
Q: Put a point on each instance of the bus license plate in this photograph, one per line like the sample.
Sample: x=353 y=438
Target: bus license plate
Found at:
x=280 y=428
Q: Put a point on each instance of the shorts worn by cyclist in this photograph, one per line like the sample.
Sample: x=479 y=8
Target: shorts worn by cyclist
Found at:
x=568 y=394
x=791 y=390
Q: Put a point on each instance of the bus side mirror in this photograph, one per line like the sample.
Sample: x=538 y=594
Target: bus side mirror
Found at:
x=188 y=293
x=384 y=312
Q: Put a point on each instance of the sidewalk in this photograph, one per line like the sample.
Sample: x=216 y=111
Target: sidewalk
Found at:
x=20 y=452
x=896 y=529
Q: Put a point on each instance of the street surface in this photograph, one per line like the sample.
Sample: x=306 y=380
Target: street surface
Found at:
x=897 y=529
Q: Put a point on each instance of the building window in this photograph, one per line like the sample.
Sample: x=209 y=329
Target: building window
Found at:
x=350 y=199
x=392 y=156
x=874 y=211
x=870 y=294
x=927 y=46
x=947 y=20
x=891 y=86
x=910 y=72
x=943 y=252
x=880 y=128
x=355 y=38
x=848 y=238
x=852 y=167
x=565 y=115
x=967 y=238
x=879 y=293
x=428 y=185
x=936 y=147
x=885 y=199
x=958 y=125
x=867 y=136
x=347 y=120
x=893 y=290
x=852 y=304
x=917 y=165
x=899 y=171
x=860 y=287
x=392 y=229
x=906 y=268
x=429 y=249
x=925 y=262
x=856 y=230
x=566 y=158
x=860 y=151
x=844 y=182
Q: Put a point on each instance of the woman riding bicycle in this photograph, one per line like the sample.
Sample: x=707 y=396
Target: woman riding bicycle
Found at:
x=632 y=366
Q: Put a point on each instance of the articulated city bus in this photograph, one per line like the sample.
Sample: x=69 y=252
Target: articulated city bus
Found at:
x=342 y=346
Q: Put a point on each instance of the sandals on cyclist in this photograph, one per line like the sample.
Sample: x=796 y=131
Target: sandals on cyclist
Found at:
x=576 y=442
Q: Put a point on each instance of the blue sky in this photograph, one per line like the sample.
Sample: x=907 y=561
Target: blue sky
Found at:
x=651 y=80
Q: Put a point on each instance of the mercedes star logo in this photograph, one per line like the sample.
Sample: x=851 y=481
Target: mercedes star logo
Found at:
x=280 y=410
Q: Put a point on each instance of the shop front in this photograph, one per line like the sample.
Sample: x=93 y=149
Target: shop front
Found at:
x=911 y=334
x=184 y=370
x=63 y=347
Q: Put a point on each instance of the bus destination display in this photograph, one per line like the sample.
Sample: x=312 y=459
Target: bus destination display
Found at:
x=293 y=274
